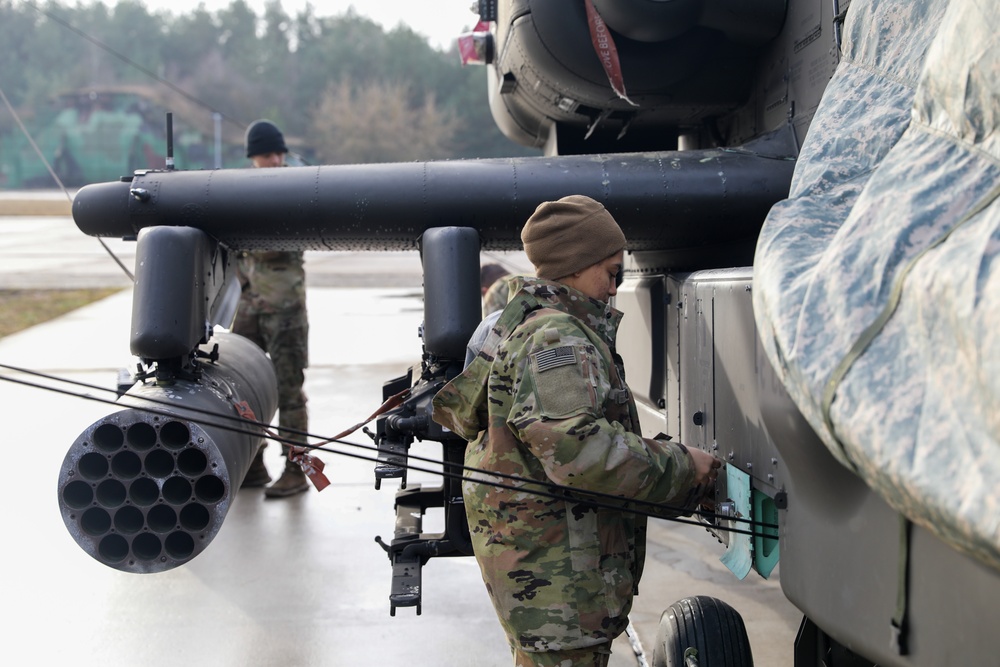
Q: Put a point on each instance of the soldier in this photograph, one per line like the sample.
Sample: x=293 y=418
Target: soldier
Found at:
x=494 y=287
x=272 y=313
x=545 y=401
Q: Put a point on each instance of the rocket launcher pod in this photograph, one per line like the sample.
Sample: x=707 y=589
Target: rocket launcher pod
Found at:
x=146 y=488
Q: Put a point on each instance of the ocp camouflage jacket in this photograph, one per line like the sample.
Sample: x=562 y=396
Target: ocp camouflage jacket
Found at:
x=545 y=401
x=274 y=281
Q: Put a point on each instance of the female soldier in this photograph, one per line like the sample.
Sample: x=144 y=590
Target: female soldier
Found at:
x=545 y=401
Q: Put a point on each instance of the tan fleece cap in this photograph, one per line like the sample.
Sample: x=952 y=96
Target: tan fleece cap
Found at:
x=562 y=237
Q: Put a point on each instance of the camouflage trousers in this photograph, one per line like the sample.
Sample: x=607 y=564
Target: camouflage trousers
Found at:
x=285 y=338
x=594 y=656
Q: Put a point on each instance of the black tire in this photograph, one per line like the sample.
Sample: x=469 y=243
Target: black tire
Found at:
x=709 y=626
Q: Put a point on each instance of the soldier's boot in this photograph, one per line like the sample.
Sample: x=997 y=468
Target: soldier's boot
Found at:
x=257 y=474
x=291 y=482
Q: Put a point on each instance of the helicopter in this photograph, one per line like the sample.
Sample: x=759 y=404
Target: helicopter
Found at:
x=801 y=184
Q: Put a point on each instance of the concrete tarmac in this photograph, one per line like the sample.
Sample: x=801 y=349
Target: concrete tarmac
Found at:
x=298 y=581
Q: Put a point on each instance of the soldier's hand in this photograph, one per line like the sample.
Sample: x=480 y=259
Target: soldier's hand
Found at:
x=701 y=492
x=706 y=467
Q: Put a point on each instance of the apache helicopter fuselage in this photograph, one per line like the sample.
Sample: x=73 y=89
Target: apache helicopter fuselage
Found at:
x=685 y=118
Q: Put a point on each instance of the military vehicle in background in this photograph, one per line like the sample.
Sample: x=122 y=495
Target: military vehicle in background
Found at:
x=99 y=133
x=777 y=168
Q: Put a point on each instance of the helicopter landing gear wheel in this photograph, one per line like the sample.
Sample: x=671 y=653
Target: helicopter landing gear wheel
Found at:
x=701 y=631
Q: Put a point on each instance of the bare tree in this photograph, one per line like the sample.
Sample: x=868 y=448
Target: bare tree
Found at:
x=380 y=122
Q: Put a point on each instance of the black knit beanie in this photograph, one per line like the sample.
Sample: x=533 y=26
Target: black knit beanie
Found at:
x=263 y=137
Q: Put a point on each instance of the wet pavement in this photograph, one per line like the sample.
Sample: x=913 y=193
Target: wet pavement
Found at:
x=298 y=581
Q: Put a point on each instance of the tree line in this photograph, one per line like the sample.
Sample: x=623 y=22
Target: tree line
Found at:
x=343 y=89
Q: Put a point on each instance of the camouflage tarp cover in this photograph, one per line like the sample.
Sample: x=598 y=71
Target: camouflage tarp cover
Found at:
x=877 y=285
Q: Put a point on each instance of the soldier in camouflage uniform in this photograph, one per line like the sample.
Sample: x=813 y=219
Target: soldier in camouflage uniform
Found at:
x=272 y=313
x=545 y=401
x=492 y=281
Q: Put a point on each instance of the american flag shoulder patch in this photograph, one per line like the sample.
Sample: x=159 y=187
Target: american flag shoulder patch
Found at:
x=555 y=357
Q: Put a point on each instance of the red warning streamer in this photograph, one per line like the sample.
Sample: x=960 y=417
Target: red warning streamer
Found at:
x=607 y=52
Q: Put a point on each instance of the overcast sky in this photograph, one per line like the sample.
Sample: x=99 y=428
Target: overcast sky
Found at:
x=440 y=21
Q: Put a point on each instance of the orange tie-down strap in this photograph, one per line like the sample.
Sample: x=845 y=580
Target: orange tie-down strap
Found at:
x=312 y=466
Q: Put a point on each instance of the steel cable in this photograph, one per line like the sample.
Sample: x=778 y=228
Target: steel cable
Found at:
x=236 y=423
